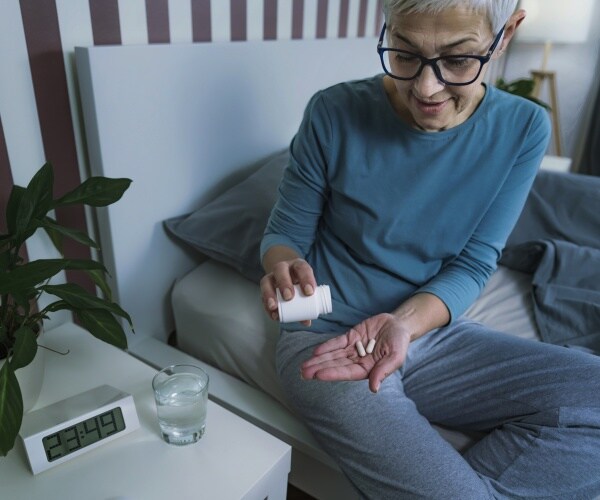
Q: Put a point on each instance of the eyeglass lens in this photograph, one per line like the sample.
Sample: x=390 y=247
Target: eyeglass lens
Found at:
x=452 y=69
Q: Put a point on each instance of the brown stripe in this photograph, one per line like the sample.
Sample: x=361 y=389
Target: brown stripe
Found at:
x=201 y=27
x=6 y=181
x=378 y=18
x=46 y=61
x=322 y=19
x=297 y=19
x=270 y=19
x=343 y=22
x=362 y=18
x=238 y=20
x=6 y=184
x=106 y=27
x=157 y=20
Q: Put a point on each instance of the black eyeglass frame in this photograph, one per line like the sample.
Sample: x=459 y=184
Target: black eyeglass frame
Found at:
x=433 y=62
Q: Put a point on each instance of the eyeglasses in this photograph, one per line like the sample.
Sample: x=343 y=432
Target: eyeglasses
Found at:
x=450 y=70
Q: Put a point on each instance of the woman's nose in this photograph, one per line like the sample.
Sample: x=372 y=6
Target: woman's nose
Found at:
x=427 y=83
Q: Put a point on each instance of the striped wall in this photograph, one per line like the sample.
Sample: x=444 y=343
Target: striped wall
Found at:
x=39 y=115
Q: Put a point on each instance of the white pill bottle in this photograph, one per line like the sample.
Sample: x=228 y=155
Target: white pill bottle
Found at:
x=304 y=307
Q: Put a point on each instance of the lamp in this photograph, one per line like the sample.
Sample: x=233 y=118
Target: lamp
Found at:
x=554 y=22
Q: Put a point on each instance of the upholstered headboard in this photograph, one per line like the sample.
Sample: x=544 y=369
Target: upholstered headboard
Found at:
x=185 y=121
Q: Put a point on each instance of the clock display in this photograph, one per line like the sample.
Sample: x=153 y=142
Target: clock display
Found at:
x=84 y=433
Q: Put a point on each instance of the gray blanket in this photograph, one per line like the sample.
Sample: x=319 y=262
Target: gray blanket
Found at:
x=557 y=239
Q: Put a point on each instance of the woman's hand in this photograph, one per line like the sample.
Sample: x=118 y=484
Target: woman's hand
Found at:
x=338 y=358
x=284 y=270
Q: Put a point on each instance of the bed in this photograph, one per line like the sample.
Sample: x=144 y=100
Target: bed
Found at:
x=202 y=130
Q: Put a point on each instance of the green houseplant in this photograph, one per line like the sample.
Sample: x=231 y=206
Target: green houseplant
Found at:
x=522 y=87
x=22 y=283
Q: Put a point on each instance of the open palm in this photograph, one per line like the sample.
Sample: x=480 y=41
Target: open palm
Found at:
x=338 y=359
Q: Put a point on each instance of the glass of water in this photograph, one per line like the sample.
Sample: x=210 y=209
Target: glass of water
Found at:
x=181 y=395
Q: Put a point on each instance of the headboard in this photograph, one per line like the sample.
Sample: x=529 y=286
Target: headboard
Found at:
x=185 y=121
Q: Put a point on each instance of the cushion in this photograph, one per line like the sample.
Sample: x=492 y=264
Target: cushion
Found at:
x=560 y=206
x=229 y=228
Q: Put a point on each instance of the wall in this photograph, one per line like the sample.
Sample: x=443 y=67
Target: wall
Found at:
x=39 y=114
x=576 y=68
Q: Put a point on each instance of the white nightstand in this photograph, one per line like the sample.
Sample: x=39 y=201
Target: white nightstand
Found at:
x=234 y=459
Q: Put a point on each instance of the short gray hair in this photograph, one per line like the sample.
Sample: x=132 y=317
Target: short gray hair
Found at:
x=497 y=11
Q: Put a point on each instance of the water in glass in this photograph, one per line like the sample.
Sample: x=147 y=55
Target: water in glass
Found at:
x=181 y=400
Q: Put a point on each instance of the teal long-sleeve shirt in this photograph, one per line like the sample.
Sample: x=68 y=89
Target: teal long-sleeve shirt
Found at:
x=381 y=210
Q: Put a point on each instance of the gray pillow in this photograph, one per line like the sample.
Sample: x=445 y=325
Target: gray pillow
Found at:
x=229 y=228
x=560 y=206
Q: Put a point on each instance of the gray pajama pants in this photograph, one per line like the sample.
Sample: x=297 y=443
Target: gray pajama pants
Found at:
x=538 y=404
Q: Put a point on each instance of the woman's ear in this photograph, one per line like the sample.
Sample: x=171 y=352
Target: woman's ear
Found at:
x=509 y=30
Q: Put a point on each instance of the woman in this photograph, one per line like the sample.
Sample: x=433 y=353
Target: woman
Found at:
x=400 y=194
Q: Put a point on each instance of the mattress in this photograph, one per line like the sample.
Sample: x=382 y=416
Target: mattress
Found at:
x=220 y=319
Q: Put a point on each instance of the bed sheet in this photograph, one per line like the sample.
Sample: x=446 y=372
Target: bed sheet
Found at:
x=220 y=320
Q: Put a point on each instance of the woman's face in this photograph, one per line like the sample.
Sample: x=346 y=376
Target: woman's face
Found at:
x=425 y=102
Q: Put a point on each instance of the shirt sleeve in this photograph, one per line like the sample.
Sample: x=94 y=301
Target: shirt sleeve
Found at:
x=303 y=190
x=460 y=282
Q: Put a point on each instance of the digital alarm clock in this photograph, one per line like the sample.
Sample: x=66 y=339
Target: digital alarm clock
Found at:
x=68 y=428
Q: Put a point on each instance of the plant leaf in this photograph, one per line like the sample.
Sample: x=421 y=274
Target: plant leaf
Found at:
x=11 y=408
x=35 y=201
x=98 y=278
x=95 y=191
x=40 y=189
x=31 y=274
x=24 y=349
x=12 y=207
x=84 y=265
x=50 y=225
x=23 y=299
x=102 y=325
x=4 y=261
x=77 y=297
x=55 y=237
x=3 y=341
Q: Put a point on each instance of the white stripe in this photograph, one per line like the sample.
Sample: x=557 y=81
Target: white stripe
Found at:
x=17 y=99
x=333 y=18
x=284 y=19
x=180 y=21
x=220 y=18
x=21 y=127
x=254 y=22
x=370 y=29
x=353 y=10
x=132 y=18
x=310 y=19
x=75 y=24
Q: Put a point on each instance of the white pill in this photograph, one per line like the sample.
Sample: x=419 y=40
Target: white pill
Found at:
x=361 y=349
x=370 y=346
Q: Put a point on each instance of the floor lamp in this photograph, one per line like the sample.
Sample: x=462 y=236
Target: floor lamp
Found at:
x=551 y=22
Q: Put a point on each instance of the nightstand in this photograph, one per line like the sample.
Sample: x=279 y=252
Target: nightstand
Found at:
x=233 y=460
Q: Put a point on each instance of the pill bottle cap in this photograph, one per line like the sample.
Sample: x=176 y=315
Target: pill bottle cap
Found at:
x=325 y=299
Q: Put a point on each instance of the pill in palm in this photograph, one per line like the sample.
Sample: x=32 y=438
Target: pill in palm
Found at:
x=361 y=349
x=370 y=346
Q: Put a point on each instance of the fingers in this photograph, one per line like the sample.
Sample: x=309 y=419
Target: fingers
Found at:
x=284 y=275
x=269 y=296
x=345 y=371
x=296 y=271
x=333 y=344
x=318 y=359
x=386 y=365
x=316 y=370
